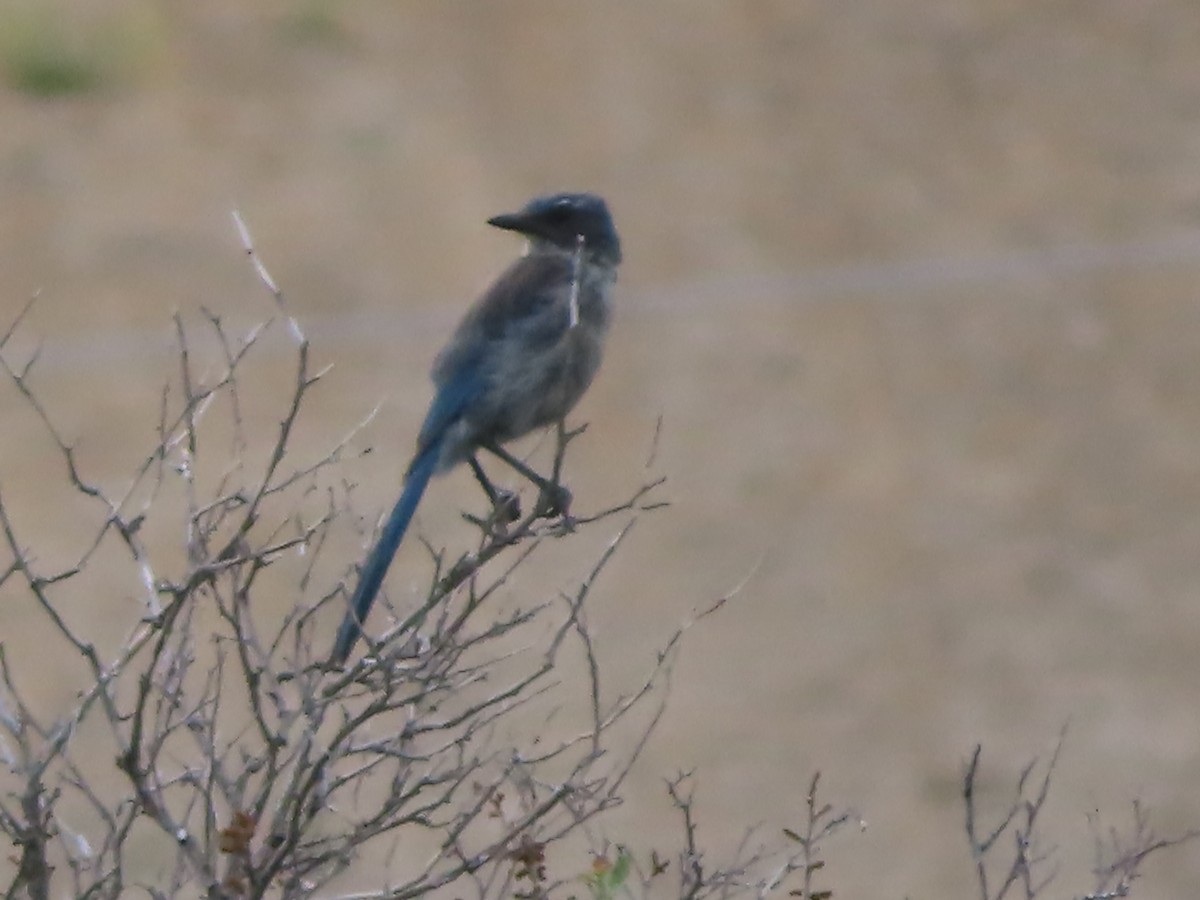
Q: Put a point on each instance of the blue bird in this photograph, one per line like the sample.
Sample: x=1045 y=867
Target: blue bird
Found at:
x=521 y=358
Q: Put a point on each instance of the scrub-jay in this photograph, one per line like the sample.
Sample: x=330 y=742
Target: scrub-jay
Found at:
x=520 y=359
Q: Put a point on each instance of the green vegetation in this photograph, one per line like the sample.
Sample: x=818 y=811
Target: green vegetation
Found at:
x=313 y=22
x=40 y=57
x=46 y=51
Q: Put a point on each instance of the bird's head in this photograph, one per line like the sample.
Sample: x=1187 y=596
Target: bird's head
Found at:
x=561 y=219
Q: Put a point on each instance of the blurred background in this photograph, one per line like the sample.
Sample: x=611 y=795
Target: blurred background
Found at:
x=911 y=285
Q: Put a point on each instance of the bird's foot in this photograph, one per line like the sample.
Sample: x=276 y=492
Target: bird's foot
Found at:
x=554 y=500
x=506 y=507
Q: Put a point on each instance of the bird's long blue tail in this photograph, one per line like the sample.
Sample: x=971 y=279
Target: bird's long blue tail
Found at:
x=371 y=576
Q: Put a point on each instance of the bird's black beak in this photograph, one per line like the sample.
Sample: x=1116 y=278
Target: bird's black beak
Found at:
x=511 y=222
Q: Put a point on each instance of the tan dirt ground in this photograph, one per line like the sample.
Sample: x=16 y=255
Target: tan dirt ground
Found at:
x=912 y=284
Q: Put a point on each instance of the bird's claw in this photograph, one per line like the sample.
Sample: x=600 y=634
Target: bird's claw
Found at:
x=507 y=507
x=554 y=500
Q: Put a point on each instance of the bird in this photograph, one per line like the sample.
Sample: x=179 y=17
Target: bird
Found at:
x=523 y=354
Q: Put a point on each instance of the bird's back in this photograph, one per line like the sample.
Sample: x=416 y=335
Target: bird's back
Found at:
x=532 y=343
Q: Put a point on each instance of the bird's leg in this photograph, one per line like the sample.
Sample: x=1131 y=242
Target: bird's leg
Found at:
x=506 y=504
x=553 y=500
x=563 y=437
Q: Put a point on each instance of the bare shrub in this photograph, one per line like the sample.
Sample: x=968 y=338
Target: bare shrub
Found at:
x=1014 y=859
x=211 y=751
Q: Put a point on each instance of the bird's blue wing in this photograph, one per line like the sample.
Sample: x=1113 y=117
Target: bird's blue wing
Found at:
x=454 y=395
